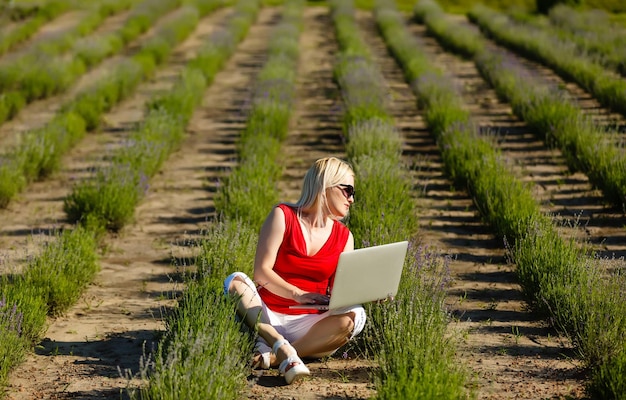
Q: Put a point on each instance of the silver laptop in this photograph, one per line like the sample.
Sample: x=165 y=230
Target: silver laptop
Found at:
x=365 y=275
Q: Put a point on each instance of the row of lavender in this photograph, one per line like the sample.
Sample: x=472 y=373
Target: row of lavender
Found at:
x=415 y=358
x=204 y=353
x=32 y=76
x=52 y=65
x=21 y=22
x=559 y=53
x=54 y=279
x=593 y=33
x=562 y=280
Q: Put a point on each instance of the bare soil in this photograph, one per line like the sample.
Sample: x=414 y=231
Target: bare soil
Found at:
x=94 y=350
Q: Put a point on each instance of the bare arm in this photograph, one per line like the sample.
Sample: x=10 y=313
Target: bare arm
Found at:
x=270 y=239
x=349 y=243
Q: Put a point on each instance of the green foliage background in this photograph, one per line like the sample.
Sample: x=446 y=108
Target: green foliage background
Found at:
x=618 y=6
x=462 y=6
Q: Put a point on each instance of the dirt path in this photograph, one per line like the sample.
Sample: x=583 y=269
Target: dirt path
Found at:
x=315 y=129
x=509 y=354
x=120 y=313
x=315 y=132
x=567 y=194
x=39 y=208
x=51 y=30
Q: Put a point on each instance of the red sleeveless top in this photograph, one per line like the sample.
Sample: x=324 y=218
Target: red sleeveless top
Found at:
x=309 y=273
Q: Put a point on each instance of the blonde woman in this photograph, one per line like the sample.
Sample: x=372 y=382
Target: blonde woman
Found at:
x=296 y=258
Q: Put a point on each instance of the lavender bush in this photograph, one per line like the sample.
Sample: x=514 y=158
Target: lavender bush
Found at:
x=12 y=346
x=414 y=359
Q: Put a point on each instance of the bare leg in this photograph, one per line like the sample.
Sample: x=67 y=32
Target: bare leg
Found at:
x=326 y=336
x=249 y=307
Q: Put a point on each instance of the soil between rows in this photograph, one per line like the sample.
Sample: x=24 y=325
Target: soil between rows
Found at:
x=509 y=353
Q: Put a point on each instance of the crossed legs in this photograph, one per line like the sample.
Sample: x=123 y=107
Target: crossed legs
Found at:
x=324 y=337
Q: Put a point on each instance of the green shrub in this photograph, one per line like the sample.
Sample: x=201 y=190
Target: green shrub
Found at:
x=11 y=102
x=110 y=197
x=250 y=190
x=22 y=319
x=544 y=6
x=416 y=356
x=100 y=97
x=64 y=268
x=615 y=6
x=12 y=180
x=607 y=382
x=183 y=98
x=207 y=359
x=12 y=346
x=204 y=354
x=226 y=246
x=143 y=16
x=28 y=299
x=147 y=148
x=373 y=216
x=373 y=137
x=41 y=151
x=49 y=284
x=93 y=50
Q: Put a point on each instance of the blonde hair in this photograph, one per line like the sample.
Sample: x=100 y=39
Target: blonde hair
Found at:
x=324 y=173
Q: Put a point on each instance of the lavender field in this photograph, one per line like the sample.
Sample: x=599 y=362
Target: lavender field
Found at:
x=130 y=154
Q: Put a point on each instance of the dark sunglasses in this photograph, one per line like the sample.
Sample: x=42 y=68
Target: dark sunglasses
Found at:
x=348 y=190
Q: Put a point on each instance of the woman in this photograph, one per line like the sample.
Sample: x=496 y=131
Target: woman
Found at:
x=297 y=254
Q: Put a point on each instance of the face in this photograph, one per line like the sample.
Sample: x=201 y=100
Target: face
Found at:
x=340 y=197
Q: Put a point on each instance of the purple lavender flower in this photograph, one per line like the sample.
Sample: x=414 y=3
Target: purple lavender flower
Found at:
x=10 y=318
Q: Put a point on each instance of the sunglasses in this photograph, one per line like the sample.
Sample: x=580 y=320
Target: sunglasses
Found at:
x=348 y=190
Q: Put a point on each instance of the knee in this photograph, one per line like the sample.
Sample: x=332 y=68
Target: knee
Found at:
x=235 y=282
x=236 y=287
x=346 y=324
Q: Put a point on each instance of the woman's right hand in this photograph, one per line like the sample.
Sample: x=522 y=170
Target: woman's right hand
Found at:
x=312 y=298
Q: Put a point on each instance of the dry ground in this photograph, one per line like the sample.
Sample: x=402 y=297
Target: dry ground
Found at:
x=509 y=353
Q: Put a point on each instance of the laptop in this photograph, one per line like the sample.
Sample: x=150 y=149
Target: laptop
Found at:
x=365 y=275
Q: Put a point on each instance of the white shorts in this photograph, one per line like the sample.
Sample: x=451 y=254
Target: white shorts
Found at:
x=293 y=327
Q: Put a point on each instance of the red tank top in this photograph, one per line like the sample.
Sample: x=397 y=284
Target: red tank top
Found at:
x=309 y=273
